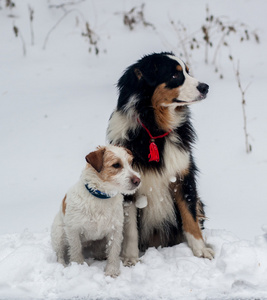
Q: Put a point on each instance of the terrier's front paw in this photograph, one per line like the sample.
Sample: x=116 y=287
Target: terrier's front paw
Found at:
x=79 y=259
x=62 y=261
x=112 y=271
x=130 y=261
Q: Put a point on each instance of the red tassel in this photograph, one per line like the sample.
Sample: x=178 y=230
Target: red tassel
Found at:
x=154 y=152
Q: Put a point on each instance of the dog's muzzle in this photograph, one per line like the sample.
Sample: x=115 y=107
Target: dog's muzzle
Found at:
x=135 y=181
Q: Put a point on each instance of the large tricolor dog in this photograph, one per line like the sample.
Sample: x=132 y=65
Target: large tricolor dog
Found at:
x=152 y=120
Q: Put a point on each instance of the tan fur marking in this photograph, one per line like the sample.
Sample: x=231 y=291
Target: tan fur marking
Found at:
x=179 y=68
x=161 y=96
x=189 y=224
x=64 y=205
x=130 y=160
x=130 y=156
x=128 y=151
x=103 y=160
x=108 y=170
x=184 y=172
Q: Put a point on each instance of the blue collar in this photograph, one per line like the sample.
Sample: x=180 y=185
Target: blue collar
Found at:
x=97 y=193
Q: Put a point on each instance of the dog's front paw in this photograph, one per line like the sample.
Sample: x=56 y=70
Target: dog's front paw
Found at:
x=62 y=261
x=130 y=261
x=112 y=271
x=204 y=252
x=199 y=247
x=79 y=259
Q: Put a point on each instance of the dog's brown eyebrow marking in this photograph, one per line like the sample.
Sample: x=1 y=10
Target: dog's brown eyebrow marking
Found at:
x=64 y=204
x=179 y=68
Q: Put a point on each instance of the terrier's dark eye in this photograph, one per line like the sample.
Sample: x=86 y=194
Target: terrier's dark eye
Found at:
x=175 y=76
x=116 y=166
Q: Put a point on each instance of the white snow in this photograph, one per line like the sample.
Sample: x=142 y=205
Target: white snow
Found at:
x=28 y=270
x=54 y=109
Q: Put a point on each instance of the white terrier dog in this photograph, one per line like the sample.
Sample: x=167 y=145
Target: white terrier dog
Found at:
x=91 y=213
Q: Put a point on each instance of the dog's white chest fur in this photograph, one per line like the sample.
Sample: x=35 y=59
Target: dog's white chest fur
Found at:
x=155 y=186
x=94 y=218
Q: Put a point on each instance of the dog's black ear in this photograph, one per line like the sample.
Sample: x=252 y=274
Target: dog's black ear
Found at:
x=147 y=72
x=95 y=159
x=138 y=73
x=136 y=78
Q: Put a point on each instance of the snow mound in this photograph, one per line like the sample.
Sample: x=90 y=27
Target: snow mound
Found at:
x=28 y=270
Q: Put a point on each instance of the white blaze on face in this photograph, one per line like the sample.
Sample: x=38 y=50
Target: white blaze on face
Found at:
x=188 y=92
x=123 y=178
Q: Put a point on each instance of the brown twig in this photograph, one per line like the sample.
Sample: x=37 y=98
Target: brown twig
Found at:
x=55 y=26
x=243 y=91
x=18 y=34
x=63 y=5
x=136 y=16
x=31 y=15
x=181 y=30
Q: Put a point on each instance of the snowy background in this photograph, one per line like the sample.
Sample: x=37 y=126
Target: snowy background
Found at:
x=55 y=102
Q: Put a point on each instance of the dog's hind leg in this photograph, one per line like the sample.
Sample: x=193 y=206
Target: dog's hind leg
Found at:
x=58 y=239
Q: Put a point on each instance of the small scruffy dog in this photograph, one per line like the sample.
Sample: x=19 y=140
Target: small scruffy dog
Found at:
x=91 y=213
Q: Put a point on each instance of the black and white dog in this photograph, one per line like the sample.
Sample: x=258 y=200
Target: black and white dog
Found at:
x=152 y=120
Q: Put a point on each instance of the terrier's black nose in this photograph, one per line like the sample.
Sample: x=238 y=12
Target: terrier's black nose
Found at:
x=203 y=88
x=135 y=180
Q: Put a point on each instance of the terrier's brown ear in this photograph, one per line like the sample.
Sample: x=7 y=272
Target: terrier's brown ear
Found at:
x=128 y=151
x=95 y=159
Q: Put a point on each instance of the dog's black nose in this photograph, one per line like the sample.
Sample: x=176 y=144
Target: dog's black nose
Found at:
x=203 y=88
x=136 y=180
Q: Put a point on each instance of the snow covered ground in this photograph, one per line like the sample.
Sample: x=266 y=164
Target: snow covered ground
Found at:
x=54 y=108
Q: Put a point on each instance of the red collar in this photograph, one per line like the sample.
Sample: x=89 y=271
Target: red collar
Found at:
x=154 y=152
